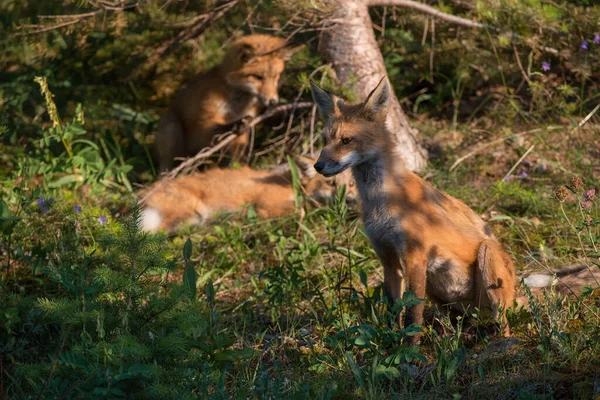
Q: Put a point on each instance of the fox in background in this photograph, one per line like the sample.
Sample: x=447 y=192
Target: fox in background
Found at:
x=569 y=280
x=197 y=198
x=216 y=100
x=427 y=241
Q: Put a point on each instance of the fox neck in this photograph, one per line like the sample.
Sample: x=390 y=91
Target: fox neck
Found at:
x=372 y=174
x=240 y=104
x=370 y=178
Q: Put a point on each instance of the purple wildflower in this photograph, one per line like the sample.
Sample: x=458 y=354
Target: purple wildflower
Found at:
x=584 y=45
x=44 y=204
x=586 y=205
x=102 y=220
x=596 y=39
x=546 y=66
x=590 y=194
x=77 y=208
x=523 y=174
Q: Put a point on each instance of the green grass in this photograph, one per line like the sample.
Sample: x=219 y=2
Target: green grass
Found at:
x=292 y=307
x=286 y=308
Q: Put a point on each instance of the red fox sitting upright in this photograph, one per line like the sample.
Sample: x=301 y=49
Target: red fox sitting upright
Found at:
x=427 y=241
x=215 y=100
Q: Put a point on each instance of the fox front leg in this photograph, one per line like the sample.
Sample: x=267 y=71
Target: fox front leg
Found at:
x=416 y=276
x=393 y=277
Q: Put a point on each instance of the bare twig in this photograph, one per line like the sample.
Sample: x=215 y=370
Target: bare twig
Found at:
x=493 y=142
x=453 y=19
x=313 y=118
x=586 y=119
x=200 y=24
x=529 y=150
x=425 y=32
x=226 y=138
x=232 y=36
x=76 y=18
x=424 y=8
x=290 y=121
x=432 y=51
x=523 y=72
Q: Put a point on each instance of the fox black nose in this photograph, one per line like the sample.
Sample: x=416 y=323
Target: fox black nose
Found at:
x=319 y=166
x=271 y=102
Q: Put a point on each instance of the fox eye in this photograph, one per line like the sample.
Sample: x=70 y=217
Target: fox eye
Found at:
x=346 y=140
x=258 y=77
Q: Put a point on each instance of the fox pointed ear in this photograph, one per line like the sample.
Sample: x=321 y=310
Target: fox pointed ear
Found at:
x=326 y=103
x=288 y=51
x=245 y=54
x=305 y=165
x=376 y=105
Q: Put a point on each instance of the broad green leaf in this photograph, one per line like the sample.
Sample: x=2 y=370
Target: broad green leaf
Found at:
x=7 y=221
x=355 y=370
x=187 y=249
x=235 y=355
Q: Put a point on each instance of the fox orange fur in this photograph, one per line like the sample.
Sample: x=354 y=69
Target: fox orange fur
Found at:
x=215 y=100
x=199 y=197
x=427 y=241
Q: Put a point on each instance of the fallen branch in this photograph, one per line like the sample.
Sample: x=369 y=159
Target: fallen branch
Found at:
x=497 y=141
x=529 y=150
x=434 y=12
x=226 y=138
x=586 y=119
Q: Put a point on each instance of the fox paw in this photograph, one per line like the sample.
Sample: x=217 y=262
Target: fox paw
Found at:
x=243 y=125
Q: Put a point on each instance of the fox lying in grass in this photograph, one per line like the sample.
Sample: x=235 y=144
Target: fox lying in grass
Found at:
x=215 y=100
x=566 y=280
x=427 y=241
x=199 y=197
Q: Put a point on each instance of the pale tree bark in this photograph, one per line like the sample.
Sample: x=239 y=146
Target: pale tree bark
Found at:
x=348 y=43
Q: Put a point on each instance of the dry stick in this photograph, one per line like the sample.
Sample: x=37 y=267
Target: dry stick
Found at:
x=75 y=18
x=586 y=119
x=227 y=138
x=287 y=131
x=54 y=364
x=529 y=150
x=251 y=145
x=431 y=11
x=313 y=112
x=200 y=24
x=425 y=32
x=493 y=142
x=290 y=120
x=232 y=36
x=313 y=118
x=424 y=8
x=383 y=22
x=432 y=49
x=525 y=76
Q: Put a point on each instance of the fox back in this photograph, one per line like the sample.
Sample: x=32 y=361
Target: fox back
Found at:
x=212 y=102
x=199 y=197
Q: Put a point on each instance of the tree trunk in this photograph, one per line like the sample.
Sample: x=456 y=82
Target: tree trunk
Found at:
x=349 y=44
